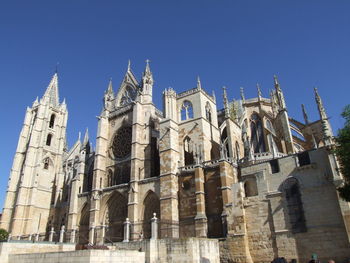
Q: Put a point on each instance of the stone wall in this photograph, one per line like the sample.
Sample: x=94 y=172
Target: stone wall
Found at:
x=189 y=250
x=9 y=248
x=86 y=256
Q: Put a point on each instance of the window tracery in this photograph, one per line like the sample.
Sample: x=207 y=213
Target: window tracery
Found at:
x=257 y=136
x=186 y=110
x=121 y=145
x=128 y=96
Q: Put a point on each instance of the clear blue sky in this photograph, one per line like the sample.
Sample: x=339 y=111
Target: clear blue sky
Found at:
x=232 y=43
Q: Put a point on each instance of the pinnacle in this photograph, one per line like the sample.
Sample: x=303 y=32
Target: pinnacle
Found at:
x=52 y=90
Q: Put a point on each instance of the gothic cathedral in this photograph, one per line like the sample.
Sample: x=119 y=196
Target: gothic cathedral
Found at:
x=250 y=175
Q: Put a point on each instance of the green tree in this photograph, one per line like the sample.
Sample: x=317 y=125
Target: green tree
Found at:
x=3 y=234
x=343 y=152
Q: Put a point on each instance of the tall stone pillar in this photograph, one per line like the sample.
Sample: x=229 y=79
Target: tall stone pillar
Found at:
x=137 y=168
x=99 y=171
x=62 y=234
x=169 y=157
x=154 y=227
x=126 y=230
x=72 y=235
x=201 y=222
x=228 y=176
x=52 y=232
x=92 y=235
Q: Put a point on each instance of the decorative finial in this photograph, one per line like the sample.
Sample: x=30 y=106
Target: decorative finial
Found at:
x=226 y=106
x=259 y=90
x=275 y=80
x=129 y=65
x=199 y=85
x=242 y=94
x=306 y=119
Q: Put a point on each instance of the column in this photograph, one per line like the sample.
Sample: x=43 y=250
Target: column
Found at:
x=62 y=234
x=52 y=232
x=154 y=227
x=126 y=230
x=72 y=236
x=201 y=226
x=92 y=235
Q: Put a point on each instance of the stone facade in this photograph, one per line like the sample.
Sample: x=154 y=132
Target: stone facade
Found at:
x=249 y=174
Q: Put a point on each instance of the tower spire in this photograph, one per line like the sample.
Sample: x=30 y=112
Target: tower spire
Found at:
x=147 y=83
x=51 y=93
x=306 y=118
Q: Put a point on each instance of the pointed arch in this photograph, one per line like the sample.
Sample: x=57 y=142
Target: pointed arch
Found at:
x=83 y=227
x=115 y=214
x=188 y=151
x=151 y=204
x=257 y=135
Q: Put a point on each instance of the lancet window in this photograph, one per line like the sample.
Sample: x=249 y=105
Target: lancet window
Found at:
x=257 y=136
x=52 y=121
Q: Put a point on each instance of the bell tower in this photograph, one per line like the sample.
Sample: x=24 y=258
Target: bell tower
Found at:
x=36 y=163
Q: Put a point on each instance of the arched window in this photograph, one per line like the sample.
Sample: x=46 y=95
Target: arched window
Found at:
x=208 y=112
x=225 y=144
x=188 y=151
x=294 y=205
x=52 y=121
x=48 y=139
x=186 y=110
x=257 y=135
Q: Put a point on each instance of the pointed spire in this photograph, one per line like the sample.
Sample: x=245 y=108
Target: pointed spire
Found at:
x=110 y=87
x=86 y=137
x=148 y=69
x=320 y=107
x=242 y=94
x=199 y=85
x=213 y=95
x=306 y=118
x=129 y=65
x=51 y=92
x=226 y=106
x=279 y=94
x=326 y=127
x=259 y=91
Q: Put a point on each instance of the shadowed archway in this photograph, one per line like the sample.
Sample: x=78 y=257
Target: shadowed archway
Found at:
x=151 y=205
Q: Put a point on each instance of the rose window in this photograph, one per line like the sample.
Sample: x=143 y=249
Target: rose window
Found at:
x=122 y=142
